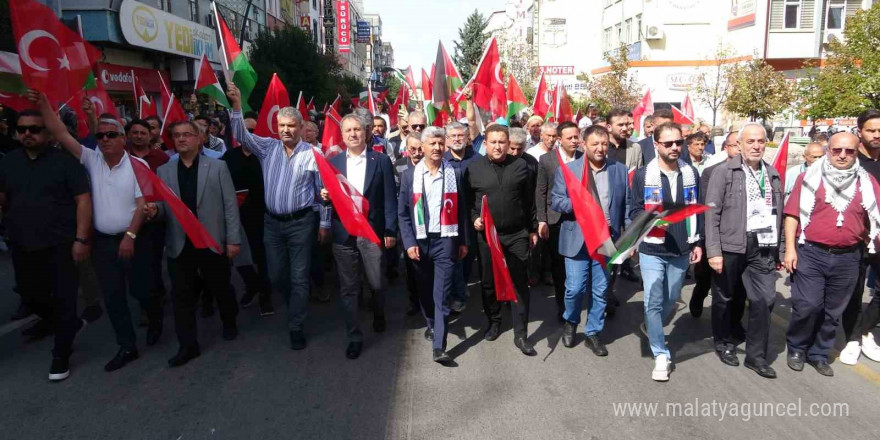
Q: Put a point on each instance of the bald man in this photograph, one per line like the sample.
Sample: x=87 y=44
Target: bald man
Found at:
x=812 y=153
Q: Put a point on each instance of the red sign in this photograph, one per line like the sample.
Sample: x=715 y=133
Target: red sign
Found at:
x=115 y=77
x=557 y=70
x=343 y=26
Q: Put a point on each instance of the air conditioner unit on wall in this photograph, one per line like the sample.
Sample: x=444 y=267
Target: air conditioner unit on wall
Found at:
x=653 y=32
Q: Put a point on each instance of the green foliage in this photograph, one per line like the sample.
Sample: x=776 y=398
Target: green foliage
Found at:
x=617 y=88
x=850 y=79
x=711 y=87
x=301 y=66
x=470 y=45
x=393 y=83
x=757 y=90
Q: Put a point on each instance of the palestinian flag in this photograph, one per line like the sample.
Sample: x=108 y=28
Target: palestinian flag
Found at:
x=516 y=99
x=208 y=84
x=645 y=222
x=446 y=81
x=243 y=75
x=12 y=85
x=427 y=96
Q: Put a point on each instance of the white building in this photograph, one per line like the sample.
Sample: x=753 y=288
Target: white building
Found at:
x=567 y=36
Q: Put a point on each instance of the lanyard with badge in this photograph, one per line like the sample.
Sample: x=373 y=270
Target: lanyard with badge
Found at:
x=760 y=218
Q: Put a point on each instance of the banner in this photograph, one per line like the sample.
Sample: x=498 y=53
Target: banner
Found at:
x=343 y=26
x=363 y=31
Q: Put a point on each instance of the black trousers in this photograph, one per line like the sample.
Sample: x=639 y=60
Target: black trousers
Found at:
x=855 y=321
x=557 y=268
x=256 y=279
x=184 y=271
x=703 y=282
x=48 y=281
x=154 y=234
x=751 y=275
x=516 y=253
x=411 y=282
x=118 y=278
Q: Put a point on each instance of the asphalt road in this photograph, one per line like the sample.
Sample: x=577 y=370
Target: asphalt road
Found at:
x=257 y=388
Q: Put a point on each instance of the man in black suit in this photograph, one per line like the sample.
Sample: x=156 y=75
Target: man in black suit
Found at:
x=372 y=175
x=548 y=219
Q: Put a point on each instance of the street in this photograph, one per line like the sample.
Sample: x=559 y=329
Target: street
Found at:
x=255 y=387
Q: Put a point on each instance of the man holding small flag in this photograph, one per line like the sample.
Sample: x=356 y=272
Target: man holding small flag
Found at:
x=743 y=245
x=608 y=184
x=666 y=252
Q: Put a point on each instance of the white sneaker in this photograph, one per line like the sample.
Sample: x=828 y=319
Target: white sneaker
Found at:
x=661 y=368
x=870 y=348
x=850 y=354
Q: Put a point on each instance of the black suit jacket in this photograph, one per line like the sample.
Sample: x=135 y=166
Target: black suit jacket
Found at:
x=380 y=192
x=547 y=166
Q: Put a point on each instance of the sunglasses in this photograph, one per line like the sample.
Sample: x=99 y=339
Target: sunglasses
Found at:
x=32 y=129
x=109 y=135
x=849 y=152
x=417 y=126
x=669 y=144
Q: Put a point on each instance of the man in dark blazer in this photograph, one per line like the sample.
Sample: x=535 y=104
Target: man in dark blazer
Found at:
x=548 y=219
x=205 y=187
x=372 y=175
x=608 y=183
x=433 y=221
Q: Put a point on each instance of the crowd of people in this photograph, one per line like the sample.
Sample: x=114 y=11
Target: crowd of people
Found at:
x=81 y=217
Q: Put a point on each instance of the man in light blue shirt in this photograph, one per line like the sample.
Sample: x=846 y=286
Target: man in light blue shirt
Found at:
x=812 y=153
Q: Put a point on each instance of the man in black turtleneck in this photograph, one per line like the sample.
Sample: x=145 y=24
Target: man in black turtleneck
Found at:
x=506 y=181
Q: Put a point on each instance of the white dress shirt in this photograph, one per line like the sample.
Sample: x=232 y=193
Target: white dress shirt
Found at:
x=114 y=191
x=356 y=169
x=434 y=198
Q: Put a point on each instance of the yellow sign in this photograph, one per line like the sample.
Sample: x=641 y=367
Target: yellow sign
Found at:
x=158 y=30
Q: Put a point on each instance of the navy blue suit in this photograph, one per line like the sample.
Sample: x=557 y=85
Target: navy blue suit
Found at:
x=437 y=256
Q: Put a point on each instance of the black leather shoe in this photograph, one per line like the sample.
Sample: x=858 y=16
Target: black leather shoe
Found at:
x=379 y=324
x=593 y=343
x=184 y=355
x=441 y=357
x=568 y=334
x=696 y=307
x=761 y=368
x=821 y=366
x=728 y=357
x=610 y=311
x=429 y=334
x=795 y=360
x=523 y=345
x=122 y=358
x=297 y=341
x=493 y=331
x=353 y=351
x=230 y=333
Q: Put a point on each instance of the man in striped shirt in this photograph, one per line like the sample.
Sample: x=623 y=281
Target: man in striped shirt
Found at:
x=293 y=208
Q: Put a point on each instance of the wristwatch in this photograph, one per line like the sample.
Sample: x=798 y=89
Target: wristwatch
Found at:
x=81 y=240
x=131 y=234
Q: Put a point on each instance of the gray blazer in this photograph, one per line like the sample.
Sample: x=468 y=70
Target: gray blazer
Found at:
x=216 y=204
x=726 y=222
x=547 y=166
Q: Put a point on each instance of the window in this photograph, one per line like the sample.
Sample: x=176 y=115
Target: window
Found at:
x=638 y=29
x=162 y=4
x=606 y=39
x=315 y=31
x=314 y=4
x=836 y=15
x=194 y=10
x=791 y=19
x=627 y=31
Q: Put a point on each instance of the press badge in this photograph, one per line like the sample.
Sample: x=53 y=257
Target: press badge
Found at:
x=763 y=222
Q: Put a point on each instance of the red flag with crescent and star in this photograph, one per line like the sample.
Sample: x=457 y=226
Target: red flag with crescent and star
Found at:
x=504 y=289
x=489 y=92
x=60 y=61
x=350 y=206
x=276 y=99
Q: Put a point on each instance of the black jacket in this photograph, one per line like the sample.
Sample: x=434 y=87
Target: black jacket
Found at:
x=509 y=187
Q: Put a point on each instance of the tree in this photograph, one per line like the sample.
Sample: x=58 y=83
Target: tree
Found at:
x=470 y=45
x=304 y=68
x=757 y=90
x=850 y=80
x=710 y=87
x=520 y=59
x=617 y=88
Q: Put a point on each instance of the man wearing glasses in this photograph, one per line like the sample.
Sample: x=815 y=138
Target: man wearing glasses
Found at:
x=742 y=245
x=826 y=225
x=458 y=155
x=666 y=181
x=47 y=210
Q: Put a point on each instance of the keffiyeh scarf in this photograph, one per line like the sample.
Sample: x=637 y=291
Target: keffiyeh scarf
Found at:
x=448 y=207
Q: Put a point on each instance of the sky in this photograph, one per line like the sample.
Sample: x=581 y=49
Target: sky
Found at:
x=413 y=27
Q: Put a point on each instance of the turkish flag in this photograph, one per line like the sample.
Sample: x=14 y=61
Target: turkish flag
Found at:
x=155 y=190
x=60 y=61
x=146 y=107
x=780 y=162
x=302 y=107
x=174 y=113
x=14 y=101
x=680 y=118
x=331 y=140
x=488 y=83
x=562 y=111
x=449 y=213
x=166 y=92
x=687 y=107
x=276 y=99
x=587 y=212
x=504 y=290
x=543 y=98
x=337 y=103
x=351 y=207
x=101 y=103
x=101 y=100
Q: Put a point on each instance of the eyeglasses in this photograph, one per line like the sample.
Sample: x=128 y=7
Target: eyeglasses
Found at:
x=669 y=144
x=850 y=152
x=109 y=135
x=185 y=134
x=417 y=127
x=32 y=129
